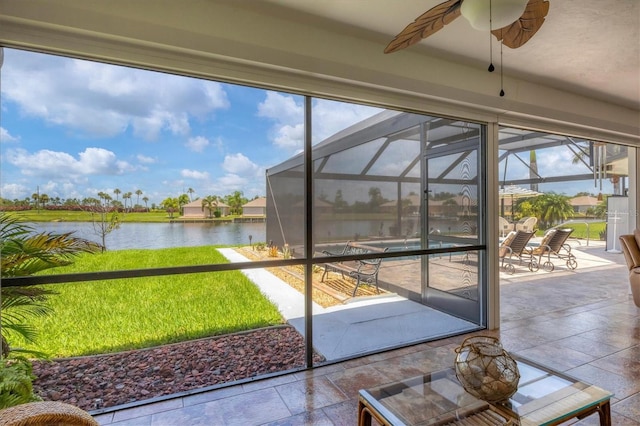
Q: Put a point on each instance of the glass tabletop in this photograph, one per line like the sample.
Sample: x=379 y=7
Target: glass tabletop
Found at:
x=543 y=397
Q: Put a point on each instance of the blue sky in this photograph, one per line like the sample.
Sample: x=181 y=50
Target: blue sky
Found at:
x=72 y=128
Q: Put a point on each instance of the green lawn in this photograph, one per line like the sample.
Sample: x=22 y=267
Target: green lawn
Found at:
x=109 y=316
x=580 y=230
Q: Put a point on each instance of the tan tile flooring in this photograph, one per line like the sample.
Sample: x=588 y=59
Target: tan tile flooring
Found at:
x=580 y=322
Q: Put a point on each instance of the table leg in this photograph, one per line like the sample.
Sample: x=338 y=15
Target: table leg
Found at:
x=605 y=414
x=364 y=415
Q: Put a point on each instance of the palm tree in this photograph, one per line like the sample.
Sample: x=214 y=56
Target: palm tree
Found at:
x=170 y=205
x=126 y=196
x=553 y=208
x=190 y=191
x=36 y=200
x=183 y=199
x=23 y=254
x=146 y=200
x=210 y=202
x=235 y=201
x=104 y=197
x=117 y=192
x=44 y=199
x=138 y=193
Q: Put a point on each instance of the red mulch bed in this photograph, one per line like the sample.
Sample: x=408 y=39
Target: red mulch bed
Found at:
x=101 y=381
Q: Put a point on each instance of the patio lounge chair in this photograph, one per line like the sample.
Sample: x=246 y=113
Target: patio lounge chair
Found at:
x=554 y=243
x=514 y=246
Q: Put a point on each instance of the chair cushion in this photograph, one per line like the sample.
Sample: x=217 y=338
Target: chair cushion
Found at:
x=636 y=234
x=507 y=240
x=545 y=242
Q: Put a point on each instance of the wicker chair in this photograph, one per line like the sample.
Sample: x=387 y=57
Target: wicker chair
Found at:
x=504 y=226
x=631 y=249
x=526 y=224
x=46 y=413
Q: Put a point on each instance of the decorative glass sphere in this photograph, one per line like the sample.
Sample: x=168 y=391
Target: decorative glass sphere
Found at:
x=485 y=369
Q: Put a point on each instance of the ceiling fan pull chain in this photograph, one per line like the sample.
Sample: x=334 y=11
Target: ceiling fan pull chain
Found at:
x=501 y=73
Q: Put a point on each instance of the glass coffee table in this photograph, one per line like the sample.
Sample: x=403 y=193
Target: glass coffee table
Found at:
x=544 y=397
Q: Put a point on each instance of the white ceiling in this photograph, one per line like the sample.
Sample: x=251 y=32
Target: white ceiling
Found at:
x=589 y=47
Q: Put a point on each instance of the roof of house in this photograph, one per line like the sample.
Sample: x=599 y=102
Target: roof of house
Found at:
x=584 y=200
x=258 y=202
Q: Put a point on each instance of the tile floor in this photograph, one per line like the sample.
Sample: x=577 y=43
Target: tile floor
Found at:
x=584 y=324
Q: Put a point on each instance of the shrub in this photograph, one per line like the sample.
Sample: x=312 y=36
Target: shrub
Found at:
x=16 y=377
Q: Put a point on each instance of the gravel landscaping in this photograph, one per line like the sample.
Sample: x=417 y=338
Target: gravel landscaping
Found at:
x=101 y=381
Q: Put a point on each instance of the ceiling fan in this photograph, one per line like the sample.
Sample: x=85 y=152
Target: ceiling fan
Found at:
x=513 y=22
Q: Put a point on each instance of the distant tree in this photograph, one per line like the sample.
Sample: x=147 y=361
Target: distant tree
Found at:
x=183 y=199
x=117 y=192
x=105 y=198
x=44 y=199
x=600 y=211
x=190 y=191
x=338 y=202
x=126 y=196
x=138 y=194
x=36 y=200
x=553 y=209
x=146 y=200
x=235 y=201
x=104 y=219
x=170 y=205
x=375 y=198
x=210 y=202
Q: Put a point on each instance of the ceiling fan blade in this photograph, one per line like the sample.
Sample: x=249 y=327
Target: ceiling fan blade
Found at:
x=426 y=24
x=518 y=33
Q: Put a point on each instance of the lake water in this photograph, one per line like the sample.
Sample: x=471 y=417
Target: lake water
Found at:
x=162 y=235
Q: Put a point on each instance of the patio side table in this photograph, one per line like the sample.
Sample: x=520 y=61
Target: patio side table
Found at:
x=544 y=397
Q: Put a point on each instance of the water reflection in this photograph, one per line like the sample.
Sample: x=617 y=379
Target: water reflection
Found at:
x=163 y=235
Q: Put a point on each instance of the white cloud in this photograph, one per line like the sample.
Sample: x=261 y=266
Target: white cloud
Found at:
x=291 y=137
x=56 y=164
x=105 y=100
x=288 y=117
x=232 y=182
x=5 y=136
x=239 y=164
x=197 y=144
x=329 y=117
x=12 y=191
x=194 y=174
x=146 y=160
